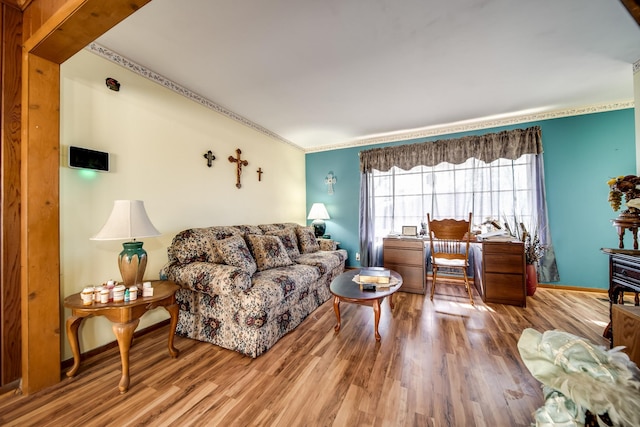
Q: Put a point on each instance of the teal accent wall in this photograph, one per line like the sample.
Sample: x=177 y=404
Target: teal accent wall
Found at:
x=580 y=154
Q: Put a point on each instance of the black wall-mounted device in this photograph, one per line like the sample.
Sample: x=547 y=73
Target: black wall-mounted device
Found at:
x=84 y=158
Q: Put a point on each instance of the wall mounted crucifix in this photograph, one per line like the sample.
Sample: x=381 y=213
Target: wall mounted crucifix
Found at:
x=210 y=158
x=260 y=172
x=239 y=163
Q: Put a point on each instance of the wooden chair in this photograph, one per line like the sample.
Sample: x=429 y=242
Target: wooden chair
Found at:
x=449 y=242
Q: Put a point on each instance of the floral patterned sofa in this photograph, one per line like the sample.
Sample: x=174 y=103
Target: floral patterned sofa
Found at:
x=244 y=287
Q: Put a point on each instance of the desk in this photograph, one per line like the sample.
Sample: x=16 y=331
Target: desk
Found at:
x=125 y=317
x=496 y=267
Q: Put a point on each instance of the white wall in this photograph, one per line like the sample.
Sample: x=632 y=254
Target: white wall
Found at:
x=156 y=140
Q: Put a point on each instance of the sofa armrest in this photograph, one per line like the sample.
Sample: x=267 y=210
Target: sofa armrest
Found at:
x=327 y=244
x=208 y=278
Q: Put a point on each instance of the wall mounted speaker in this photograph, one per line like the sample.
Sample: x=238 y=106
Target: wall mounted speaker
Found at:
x=84 y=158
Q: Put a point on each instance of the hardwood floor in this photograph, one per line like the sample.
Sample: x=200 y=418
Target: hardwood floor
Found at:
x=440 y=363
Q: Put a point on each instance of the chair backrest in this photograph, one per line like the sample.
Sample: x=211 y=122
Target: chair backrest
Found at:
x=449 y=238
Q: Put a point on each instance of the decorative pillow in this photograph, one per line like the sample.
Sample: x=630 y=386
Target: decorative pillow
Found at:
x=307 y=240
x=327 y=244
x=289 y=240
x=234 y=251
x=268 y=251
x=192 y=245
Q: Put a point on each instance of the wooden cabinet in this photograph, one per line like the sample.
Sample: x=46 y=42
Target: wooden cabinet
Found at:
x=624 y=276
x=502 y=276
x=407 y=257
x=626 y=330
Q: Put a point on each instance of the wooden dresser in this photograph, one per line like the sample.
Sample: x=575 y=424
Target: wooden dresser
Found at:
x=407 y=257
x=624 y=276
x=500 y=272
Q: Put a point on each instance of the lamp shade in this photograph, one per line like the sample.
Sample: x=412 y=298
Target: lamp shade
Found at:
x=318 y=211
x=128 y=220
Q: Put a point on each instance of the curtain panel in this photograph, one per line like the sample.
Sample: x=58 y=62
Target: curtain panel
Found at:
x=488 y=148
x=506 y=145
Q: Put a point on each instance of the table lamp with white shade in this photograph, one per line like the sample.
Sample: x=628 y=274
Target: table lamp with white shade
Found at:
x=318 y=214
x=129 y=221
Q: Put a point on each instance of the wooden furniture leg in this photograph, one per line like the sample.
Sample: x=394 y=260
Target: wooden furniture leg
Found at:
x=621 y=237
x=124 y=333
x=376 y=312
x=73 y=323
x=336 y=308
x=173 y=311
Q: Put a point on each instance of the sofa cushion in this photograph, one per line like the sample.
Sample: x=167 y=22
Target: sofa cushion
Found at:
x=289 y=240
x=324 y=260
x=277 y=286
x=268 y=251
x=307 y=240
x=234 y=251
x=192 y=245
x=248 y=229
x=267 y=228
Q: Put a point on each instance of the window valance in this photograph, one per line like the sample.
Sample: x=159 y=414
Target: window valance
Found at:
x=506 y=144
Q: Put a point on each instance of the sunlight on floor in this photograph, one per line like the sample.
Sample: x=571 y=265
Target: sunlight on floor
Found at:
x=597 y=322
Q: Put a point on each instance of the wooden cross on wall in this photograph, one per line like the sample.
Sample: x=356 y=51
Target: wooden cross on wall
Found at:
x=239 y=163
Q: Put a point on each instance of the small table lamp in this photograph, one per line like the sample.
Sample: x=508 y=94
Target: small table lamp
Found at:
x=318 y=214
x=129 y=220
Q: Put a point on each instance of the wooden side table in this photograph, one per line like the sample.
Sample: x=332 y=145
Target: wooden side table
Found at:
x=125 y=317
x=624 y=222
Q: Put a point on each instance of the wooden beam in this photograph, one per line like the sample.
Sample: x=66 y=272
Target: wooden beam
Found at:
x=40 y=248
x=633 y=6
x=76 y=24
x=54 y=31
x=16 y=4
x=10 y=85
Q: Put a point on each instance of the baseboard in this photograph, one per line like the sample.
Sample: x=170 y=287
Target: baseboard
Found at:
x=65 y=364
x=571 y=288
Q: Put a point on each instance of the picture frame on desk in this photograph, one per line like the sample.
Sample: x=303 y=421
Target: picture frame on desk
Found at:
x=409 y=230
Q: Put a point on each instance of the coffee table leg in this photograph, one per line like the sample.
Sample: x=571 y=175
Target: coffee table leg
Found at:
x=173 y=311
x=73 y=323
x=376 y=312
x=124 y=333
x=336 y=308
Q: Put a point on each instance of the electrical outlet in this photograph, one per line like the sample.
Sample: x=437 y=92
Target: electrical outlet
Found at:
x=357 y=256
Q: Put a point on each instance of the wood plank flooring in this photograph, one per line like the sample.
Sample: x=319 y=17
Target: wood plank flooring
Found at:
x=440 y=363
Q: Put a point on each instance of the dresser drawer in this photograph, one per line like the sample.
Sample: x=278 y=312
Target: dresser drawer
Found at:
x=407 y=258
x=404 y=256
x=505 y=289
x=503 y=263
x=413 y=279
x=625 y=271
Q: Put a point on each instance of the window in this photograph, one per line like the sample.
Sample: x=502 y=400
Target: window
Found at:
x=400 y=184
x=502 y=189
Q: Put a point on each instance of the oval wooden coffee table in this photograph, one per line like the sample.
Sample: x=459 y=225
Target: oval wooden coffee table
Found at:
x=345 y=289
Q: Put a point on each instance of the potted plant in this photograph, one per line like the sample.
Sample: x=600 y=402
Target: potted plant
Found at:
x=533 y=252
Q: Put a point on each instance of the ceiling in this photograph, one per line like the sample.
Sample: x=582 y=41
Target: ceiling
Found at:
x=327 y=73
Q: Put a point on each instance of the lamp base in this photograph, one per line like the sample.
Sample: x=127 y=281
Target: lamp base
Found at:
x=132 y=262
x=319 y=227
